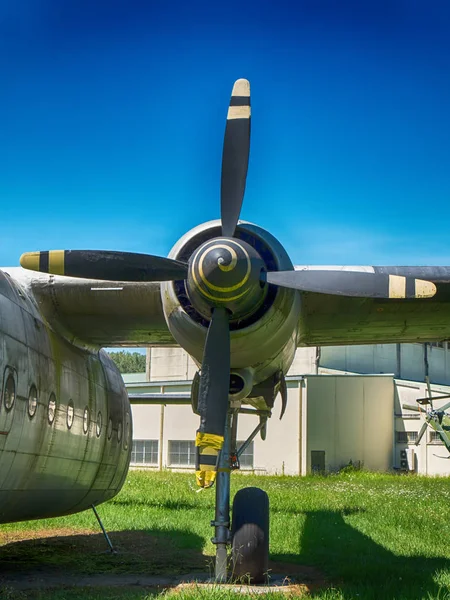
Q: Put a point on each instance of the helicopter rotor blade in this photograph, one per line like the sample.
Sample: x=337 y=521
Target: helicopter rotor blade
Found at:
x=422 y=431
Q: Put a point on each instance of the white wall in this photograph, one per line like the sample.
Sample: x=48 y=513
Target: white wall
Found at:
x=304 y=362
x=350 y=418
x=169 y=364
x=381 y=358
x=277 y=454
x=406 y=361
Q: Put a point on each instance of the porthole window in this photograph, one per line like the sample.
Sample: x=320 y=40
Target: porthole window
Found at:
x=86 y=420
x=126 y=436
x=99 y=424
x=10 y=392
x=119 y=431
x=109 y=428
x=32 y=401
x=69 y=414
x=51 y=408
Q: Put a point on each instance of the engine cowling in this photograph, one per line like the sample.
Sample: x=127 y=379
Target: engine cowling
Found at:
x=263 y=338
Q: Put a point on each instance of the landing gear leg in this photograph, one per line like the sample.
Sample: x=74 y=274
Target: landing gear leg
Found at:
x=249 y=534
x=222 y=515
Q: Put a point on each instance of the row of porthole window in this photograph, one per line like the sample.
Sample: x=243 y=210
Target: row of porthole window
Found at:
x=10 y=395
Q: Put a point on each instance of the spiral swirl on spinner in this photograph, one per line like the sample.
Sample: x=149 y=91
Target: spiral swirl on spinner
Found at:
x=221 y=270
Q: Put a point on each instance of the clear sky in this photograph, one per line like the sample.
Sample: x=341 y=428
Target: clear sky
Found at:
x=113 y=113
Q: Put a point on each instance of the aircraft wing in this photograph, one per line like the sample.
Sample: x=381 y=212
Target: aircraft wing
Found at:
x=98 y=313
x=105 y=313
x=328 y=320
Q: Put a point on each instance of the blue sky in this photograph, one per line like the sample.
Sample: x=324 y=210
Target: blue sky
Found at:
x=113 y=113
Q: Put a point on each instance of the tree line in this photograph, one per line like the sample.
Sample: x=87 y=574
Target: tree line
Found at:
x=129 y=362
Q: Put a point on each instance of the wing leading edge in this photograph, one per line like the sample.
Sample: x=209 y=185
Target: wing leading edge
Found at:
x=98 y=313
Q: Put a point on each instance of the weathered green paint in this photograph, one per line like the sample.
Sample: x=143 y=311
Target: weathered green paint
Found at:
x=48 y=469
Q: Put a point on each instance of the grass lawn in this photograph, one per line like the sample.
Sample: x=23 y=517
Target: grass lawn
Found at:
x=363 y=535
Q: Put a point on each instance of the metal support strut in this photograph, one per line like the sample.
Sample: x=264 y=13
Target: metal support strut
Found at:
x=221 y=522
x=111 y=547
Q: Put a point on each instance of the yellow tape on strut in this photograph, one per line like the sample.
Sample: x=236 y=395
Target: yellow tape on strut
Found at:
x=209 y=439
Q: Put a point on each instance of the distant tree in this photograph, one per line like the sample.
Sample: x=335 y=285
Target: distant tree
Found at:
x=129 y=362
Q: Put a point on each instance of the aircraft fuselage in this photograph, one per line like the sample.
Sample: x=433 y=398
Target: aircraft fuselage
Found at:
x=65 y=423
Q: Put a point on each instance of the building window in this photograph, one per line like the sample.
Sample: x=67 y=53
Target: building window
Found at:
x=438 y=345
x=181 y=453
x=145 y=452
x=406 y=437
x=246 y=458
x=435 y=438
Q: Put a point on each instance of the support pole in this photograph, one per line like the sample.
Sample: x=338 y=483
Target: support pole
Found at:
x=111 y=547
x=222 y=515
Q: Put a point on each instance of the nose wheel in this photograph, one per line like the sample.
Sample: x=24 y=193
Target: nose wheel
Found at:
x=248 y=532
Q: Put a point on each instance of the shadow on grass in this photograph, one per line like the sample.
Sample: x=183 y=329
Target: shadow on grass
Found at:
x=68 y=555
x=360 y=567
x=164 y=503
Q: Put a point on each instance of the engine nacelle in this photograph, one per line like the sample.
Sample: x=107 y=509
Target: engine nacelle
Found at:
x=264 y=341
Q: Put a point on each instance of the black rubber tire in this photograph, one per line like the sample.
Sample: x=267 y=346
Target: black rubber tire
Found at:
x=250 y=536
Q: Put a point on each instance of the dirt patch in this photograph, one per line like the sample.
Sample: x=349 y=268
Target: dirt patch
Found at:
x=45 y=559
x=8 y=537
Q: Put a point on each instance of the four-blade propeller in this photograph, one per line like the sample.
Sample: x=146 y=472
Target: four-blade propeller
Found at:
x=215 y=371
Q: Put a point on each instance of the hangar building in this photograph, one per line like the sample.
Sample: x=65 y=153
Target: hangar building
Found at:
x=344 y=405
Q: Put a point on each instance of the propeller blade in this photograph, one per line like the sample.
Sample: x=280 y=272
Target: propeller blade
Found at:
x=236 y=147
x=353 y=283
x=105 y=265
x=213 y=396
x=422 y=431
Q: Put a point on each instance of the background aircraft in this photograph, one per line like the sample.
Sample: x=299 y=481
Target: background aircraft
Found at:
x=230 y=296
x=435 y=418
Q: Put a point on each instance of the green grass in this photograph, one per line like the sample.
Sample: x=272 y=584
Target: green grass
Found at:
x=371 y=536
